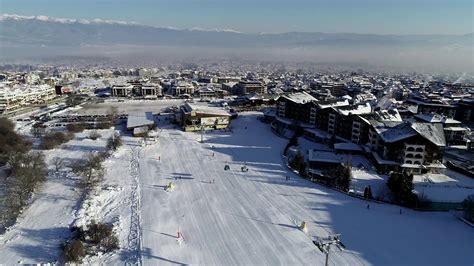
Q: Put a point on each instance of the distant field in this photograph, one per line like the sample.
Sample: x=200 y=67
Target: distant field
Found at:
x=126 y=107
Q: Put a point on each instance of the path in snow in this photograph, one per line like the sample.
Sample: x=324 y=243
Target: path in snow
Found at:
x=248 y=218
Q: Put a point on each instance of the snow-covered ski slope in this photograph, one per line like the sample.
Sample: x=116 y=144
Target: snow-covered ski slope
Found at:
x=248 y=218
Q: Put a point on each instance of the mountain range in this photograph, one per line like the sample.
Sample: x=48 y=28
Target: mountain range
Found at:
x=46 y=31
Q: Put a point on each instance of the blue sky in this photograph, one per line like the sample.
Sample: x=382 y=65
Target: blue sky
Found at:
x=355 y=16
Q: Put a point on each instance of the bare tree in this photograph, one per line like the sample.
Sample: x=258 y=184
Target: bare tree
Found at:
x=112 y=115
x=38 y=131
x=94 y=134
x=114 y=142
x=90 y=169
x=58 y=164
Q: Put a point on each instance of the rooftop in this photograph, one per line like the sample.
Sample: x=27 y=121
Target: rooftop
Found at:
x=299 y=97
x=204 y=109
x=140 y=119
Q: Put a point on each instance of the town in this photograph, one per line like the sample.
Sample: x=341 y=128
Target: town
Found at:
x=268 y=159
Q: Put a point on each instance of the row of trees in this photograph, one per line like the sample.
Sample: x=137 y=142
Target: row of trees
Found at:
x=10 y=141
x=53 y=139
x=27 y=170
x=97 y=237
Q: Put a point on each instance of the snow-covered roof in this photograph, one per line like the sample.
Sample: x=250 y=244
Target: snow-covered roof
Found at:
x=292 y=122
x=354 y=109
x=387 y=115
x=410 y=165
x=456 y=129
x=435 y=118
x=230 y=84
x=332 y=103
x=140 y=130
x=399 y=132
x=347 y=146
x=299 y=97
x=382 y=161
x=140 y=119
x=432 y=132
x=318 y=132
x=326 y=156
x=204 y=109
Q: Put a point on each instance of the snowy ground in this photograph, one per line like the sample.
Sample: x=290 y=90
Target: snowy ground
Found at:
x=44 y=225
x=361 y=178
x=244 y=218
x=249 y=218
x=449 y=186
x=126 y=106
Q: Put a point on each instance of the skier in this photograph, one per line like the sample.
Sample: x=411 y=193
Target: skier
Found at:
x=368 y=206
x=179 y=236
x=212 y=154
x=159 y=158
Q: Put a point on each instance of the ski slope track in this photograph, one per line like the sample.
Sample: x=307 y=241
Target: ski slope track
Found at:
x=249 y=218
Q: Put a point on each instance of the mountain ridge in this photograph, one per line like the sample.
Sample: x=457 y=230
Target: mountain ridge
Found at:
x=48 y=31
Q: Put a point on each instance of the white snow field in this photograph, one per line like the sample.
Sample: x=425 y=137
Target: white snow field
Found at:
x=248 y=218
x=242 y=218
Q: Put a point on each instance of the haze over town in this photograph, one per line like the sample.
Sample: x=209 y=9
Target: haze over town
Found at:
x=237 y=132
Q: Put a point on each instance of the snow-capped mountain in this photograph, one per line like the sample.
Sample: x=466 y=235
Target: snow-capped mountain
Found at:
x=47 y=31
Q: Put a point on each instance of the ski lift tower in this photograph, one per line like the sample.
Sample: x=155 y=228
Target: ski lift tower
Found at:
x=202 y=132
x=324 y=244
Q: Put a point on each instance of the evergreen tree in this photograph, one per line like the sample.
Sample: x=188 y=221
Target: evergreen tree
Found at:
x=369 y=192
x=298 y=162
x=468 y=205
x=401 y=185
x=341 y=176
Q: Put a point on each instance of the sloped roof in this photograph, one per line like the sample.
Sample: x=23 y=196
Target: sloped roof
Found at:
x=387 y=115
x=399 y=132
x=432 y=132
